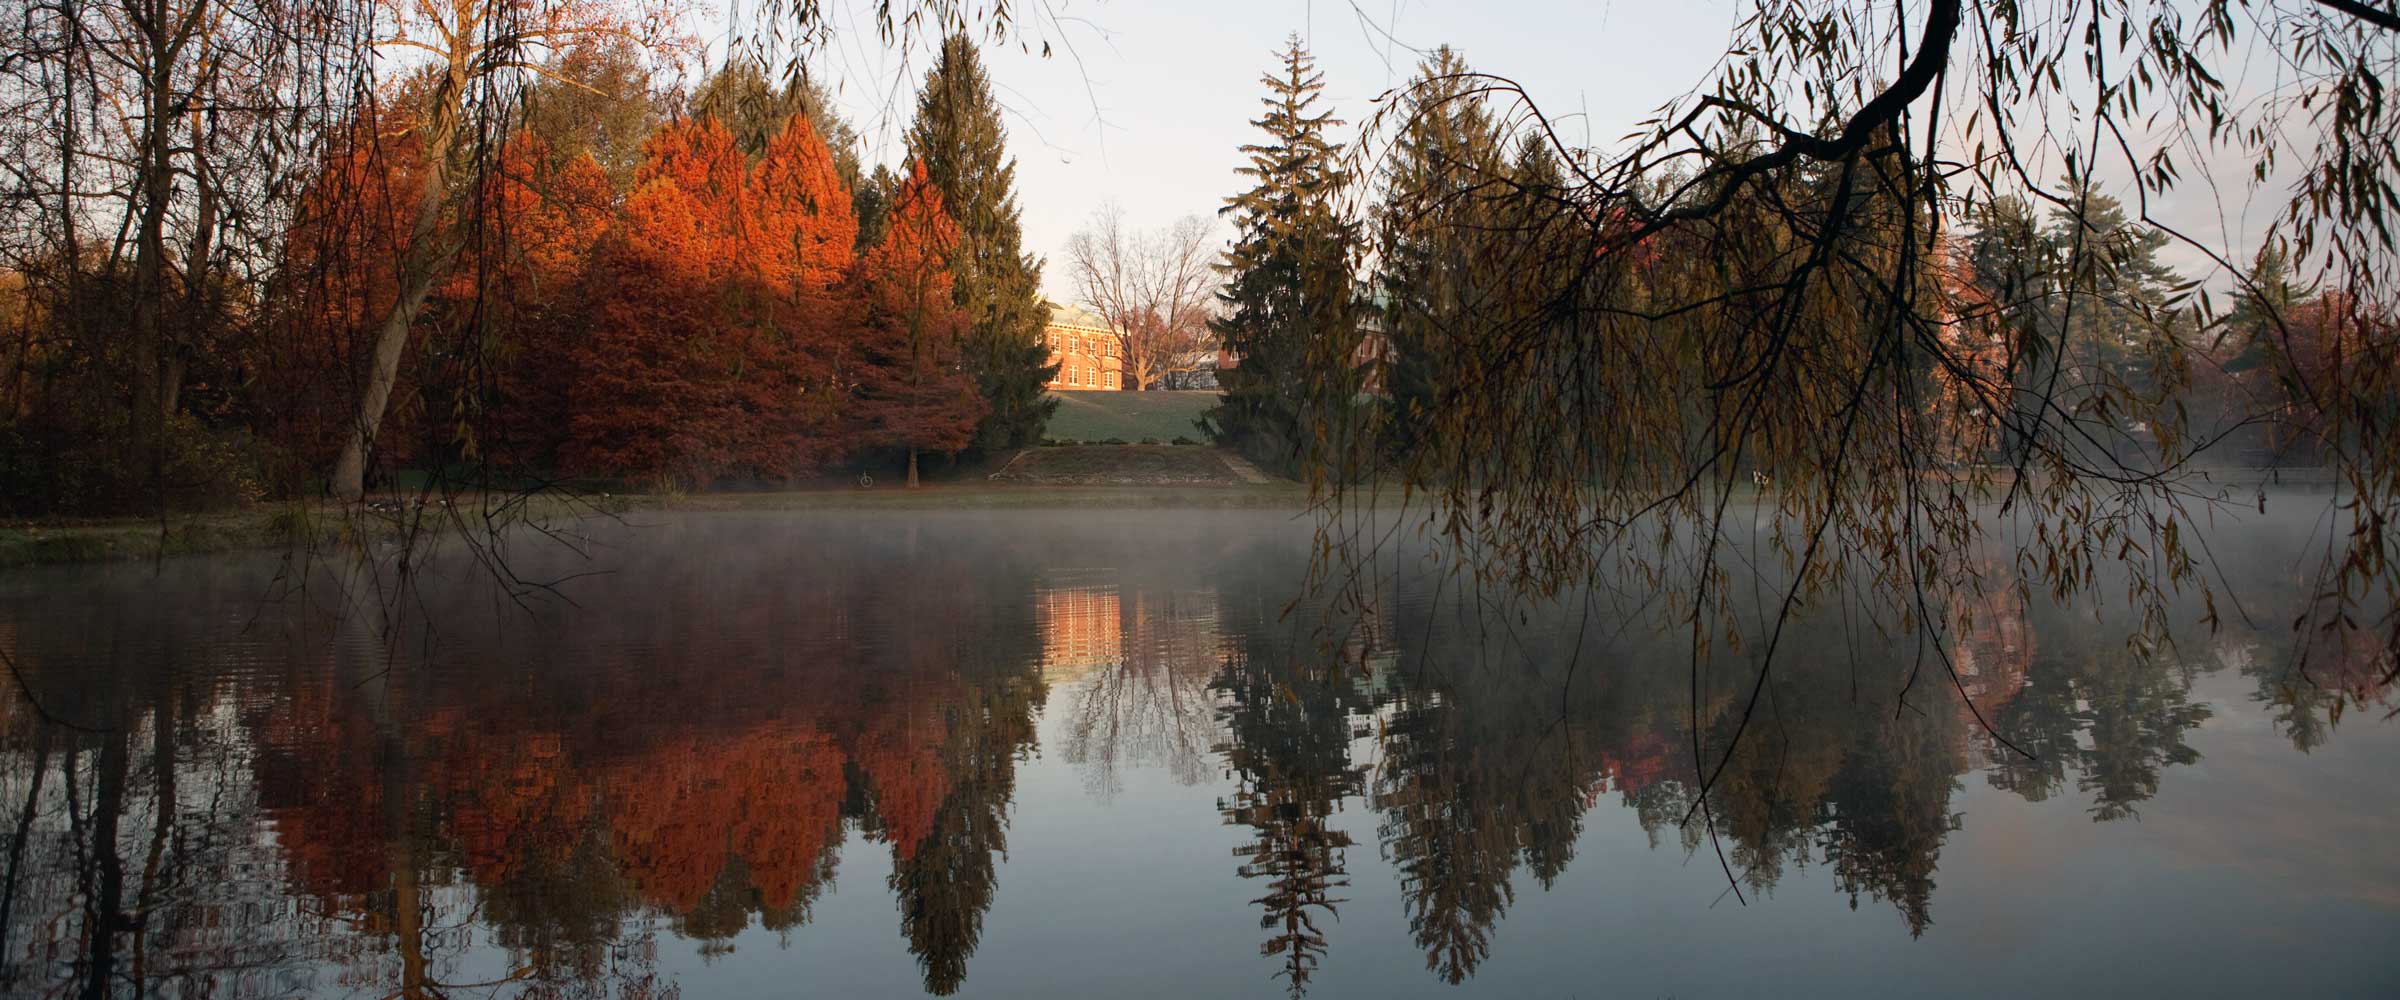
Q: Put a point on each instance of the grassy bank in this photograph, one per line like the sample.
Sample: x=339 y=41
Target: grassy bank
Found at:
x=52 y=542
x=44 y=543
x=993 y=497
x=1158 y=415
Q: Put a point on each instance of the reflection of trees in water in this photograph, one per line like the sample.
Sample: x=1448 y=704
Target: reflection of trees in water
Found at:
x=2310 y=681
x=2113 y=723
x=693 y=761
x=945 y=884
x=1287 y=723
x=1493 y=748
x=691 y=758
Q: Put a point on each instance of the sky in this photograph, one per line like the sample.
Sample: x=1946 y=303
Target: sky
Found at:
x=1146 y=103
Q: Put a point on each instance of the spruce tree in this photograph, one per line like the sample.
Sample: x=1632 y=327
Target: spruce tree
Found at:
x=1291 y=317
x=958 y=138
x=873 y=200
x=1440 y=188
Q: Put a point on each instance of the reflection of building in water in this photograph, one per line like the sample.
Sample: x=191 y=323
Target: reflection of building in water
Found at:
x=1087 y=623
x=1082 y=626
x=1132 y=669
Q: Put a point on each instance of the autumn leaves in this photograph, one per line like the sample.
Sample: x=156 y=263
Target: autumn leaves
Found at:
x=715 y=321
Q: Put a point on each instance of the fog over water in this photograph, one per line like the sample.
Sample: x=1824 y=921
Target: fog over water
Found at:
x=1023 y=753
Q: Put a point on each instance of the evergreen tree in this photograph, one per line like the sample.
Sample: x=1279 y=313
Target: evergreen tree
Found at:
x=958 y=139
x=2015 y=273
x=2119 y=285
x=2262 y=309
x=1290 y=306
x=1430 y=234
x=873 y=199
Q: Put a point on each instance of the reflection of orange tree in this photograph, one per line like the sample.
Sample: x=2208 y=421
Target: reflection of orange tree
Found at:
x=704 y=824
x=900 y=750
x=713 y=808
x=683 y=812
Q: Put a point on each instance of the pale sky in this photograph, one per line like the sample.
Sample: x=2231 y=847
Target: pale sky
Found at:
x=1145 y=103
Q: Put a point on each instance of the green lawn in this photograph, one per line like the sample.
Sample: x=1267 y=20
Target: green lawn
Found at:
x=1157 y=415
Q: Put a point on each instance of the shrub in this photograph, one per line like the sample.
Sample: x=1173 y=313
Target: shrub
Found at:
x=89 y=467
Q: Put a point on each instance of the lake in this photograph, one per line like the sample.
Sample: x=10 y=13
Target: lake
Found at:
x=1107 y=753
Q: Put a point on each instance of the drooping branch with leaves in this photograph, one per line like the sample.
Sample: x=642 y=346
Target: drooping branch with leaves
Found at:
x=1809 y=322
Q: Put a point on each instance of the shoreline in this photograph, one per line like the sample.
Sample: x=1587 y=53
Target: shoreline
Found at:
x=34 y=543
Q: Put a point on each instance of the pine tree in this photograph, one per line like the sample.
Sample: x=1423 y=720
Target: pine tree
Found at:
x=874 y=200
x=958 y=139
x=1431 y=232
x=1291 y=309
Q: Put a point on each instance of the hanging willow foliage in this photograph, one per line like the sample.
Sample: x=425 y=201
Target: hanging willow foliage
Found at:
x=1752 y=343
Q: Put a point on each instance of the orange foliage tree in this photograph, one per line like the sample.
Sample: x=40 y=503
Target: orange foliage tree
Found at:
x=912 y=392
x=544 y=217
x=796 y=248
x=649 y=367
x=715 y=301
x=476 y=48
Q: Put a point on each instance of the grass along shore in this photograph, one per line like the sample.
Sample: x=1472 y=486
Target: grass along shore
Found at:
x=87 y=540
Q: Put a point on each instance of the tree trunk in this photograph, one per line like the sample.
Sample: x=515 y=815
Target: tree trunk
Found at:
x=155 y=179
x=420 y=263
x=104 y=906
x=197 y=293
x=912 y=468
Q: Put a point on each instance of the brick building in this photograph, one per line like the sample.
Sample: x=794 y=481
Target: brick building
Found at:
x=1085 y=349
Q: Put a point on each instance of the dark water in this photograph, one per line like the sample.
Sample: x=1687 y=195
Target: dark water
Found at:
x=1024 y=754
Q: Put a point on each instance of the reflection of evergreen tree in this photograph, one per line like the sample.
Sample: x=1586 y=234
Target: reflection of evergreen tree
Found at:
x=2113 y=718
x=2136 y=720
x=1483 y=770
x=1288 y=749
x=1448 y=833
x=1887 y=812
x=946 y=885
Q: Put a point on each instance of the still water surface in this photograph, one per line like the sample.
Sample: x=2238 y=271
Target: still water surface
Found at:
x=1027 y=755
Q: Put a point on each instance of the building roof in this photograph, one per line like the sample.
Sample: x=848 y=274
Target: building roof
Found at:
x=1066 y=315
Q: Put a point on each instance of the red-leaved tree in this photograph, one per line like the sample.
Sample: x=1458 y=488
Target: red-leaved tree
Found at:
x=717 y=302
x=911 y=393
x=649 y=398
x=796 y=237
x=519 y=282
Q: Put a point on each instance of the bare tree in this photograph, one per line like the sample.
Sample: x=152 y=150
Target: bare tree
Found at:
x=1155 y=289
